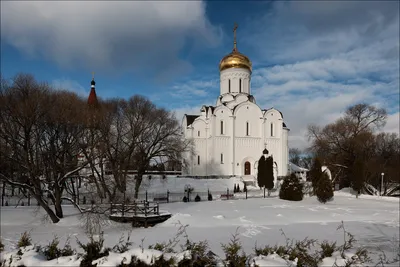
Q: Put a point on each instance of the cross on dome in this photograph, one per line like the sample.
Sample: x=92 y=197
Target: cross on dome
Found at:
x=235 y=59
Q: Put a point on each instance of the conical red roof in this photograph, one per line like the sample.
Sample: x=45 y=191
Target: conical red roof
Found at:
x=92 y=99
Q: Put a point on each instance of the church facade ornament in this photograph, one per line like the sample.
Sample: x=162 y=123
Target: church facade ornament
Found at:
x=237 y=128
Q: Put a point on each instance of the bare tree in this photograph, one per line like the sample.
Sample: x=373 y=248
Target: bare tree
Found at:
x=350 y=137
x=40 y=129
x=158 y=136
x=295 y=156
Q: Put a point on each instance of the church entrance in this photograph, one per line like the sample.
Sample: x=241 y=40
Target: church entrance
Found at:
x=247 y=168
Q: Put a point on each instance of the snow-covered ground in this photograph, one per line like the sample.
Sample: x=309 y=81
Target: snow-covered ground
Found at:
x=373 y=220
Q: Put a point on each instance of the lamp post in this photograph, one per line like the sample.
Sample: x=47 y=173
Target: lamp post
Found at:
x=382 y=174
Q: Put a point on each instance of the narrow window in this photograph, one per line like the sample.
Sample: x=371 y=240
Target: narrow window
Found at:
x=222 y=127
x=198 y=133
x=240 y=85
x=222 y=158
x=272 y=129
x=247 y=129
x=198 y=160
x=229 y=85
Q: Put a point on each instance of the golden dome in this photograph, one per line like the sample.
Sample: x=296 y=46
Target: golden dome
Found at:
x=235 y=59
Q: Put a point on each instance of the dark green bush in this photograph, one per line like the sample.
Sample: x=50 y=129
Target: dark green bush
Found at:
x=25 y=240
x=163 y=247
x=233 y=257
x=200 y=255
x=93 y=250
x=197 y=198
x=327 y=249
x=324 y=190
x=291 y=188
x=122 y=245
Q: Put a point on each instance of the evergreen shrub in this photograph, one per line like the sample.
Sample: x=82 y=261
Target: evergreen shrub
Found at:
x=291 y=188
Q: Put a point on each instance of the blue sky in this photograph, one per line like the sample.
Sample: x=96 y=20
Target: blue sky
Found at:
x=311 y=59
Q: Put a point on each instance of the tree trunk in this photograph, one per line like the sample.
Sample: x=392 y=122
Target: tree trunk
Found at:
x=57 y=204
x=48 y=210
x=138 y=181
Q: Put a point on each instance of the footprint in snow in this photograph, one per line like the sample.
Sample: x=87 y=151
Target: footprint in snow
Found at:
x=242 y=219
x=183 y=215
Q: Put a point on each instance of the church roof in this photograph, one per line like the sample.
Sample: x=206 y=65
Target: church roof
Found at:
x=190 y=119
x=92 y=99
x=275 y=109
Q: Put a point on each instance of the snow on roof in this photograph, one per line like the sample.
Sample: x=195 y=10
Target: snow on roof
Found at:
x=293 y=167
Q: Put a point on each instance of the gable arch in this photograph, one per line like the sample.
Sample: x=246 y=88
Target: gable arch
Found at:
x=224 y=108
x=277 y=115
x=243 y=104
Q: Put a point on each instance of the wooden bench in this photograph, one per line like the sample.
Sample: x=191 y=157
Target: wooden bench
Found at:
x=161 y=199
x=227 y=196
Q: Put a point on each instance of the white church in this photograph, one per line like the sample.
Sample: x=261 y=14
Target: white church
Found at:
x=230 y=137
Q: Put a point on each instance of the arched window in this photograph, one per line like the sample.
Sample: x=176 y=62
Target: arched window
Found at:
x=240 y=85
x=272 y=129
x=198 y=133
x=222 y=158
x=198 y=159
x=229 y=85
x=222 y=127
x=247 y=128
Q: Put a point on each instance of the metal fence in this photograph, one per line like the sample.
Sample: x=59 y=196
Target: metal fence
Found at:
x=166 y=197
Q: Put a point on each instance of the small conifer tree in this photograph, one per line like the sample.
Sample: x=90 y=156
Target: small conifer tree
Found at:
x=261 y=172
x=238 y=188
x=358 y=175
x=269 y=174
x=291 y=188
x=315 y=173
x=324 y=190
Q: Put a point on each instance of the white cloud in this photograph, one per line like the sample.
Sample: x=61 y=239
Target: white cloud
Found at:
x=70 y=85
x=393 y=123
x=194 y=90
x=322 y=57
x=112 y=35
x=190 y=110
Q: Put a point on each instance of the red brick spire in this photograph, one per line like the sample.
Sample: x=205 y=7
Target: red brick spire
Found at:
x=92 y=99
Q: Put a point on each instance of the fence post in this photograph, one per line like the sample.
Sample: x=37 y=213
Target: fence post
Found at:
x=264 y=191
x=246 y=194
x=29 y=199
x=227 y=193
x=167 y=196
x=146 y=195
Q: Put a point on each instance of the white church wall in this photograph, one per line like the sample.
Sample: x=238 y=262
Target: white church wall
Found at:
x=223 y=114
x=285 y=152
x=222 y=150
x=199 y=128
x=250 y=113
x=234 y=75
x=247 y=148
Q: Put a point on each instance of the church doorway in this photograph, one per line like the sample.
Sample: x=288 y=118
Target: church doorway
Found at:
x=247 y=168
